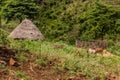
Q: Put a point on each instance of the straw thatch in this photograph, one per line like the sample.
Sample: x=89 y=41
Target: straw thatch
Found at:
x=91 y=44
x=26 y=30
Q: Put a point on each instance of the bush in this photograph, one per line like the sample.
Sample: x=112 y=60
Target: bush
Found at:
x=99 y=21
x=111 y=43
x=3 y=37
x=20 y=9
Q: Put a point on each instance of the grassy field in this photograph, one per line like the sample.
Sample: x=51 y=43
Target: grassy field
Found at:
x=66 y=58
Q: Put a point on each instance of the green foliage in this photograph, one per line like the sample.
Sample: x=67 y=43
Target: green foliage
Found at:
x=68 y=58
x=21 y=57
x=115 y=49
x=111 y=43
x=1 y=5
x=2 y=66
x=41 y=62
x=99 y=21
x=3 y=37
x=21 y=75
x=20 y=9
x=55 y=20
x=59 y=20
x=67 y=20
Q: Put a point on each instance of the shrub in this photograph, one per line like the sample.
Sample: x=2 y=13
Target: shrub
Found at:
x=3 y=37
x=99 y=21
x=20 y=9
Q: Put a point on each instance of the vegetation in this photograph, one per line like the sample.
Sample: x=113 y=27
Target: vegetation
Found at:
x=18 y=10
x=62 y=22
x=67 y=20
x=21 y=75
x=99 y=22
x=67 y=59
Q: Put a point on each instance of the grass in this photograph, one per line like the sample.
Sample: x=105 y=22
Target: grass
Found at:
x=2 y=66
x=67 y=58
x=21 y=57
x=21 y=75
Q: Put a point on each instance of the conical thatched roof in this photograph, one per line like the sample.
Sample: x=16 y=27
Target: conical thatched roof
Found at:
x=26 y=30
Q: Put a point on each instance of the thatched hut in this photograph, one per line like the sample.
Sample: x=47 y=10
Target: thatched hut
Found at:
x=26 y=30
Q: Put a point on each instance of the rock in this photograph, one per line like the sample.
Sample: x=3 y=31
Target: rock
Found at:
x=90 y=50
x=11 y=62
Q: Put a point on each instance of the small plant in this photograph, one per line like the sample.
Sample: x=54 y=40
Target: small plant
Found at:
x=111 y=43
x=114 y=48
x=3 y=37
x=21 y=57
x=41 y=62
x=21 y=75
x=2 y=66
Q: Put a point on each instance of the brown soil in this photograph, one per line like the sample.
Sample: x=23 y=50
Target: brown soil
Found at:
x=33 y=71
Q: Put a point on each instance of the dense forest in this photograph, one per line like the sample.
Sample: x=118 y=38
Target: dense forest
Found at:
x=66 y=20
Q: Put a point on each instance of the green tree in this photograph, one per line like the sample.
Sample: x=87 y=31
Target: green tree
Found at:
x=99 y=21
x=1 y=4
x=20 y=9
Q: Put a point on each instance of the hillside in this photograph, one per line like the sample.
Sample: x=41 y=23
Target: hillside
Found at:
x=66 y=20
x=61 y=22
x=36 y=61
